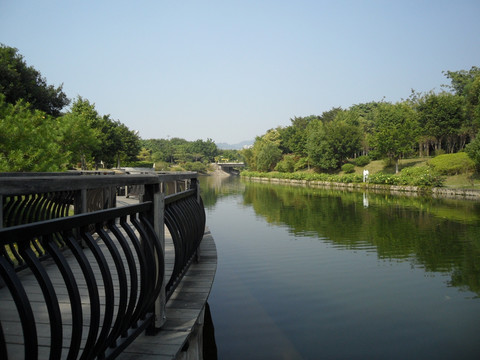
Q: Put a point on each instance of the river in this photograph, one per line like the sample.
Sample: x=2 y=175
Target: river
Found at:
x=308 y=273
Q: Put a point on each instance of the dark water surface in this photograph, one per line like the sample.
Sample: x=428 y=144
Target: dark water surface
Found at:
x=321 y=274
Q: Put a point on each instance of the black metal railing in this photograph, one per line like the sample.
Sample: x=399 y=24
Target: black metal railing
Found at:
x=185 y=219
x=99 y=275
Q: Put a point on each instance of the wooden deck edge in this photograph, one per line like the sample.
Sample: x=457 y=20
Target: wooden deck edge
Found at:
x=181 y=336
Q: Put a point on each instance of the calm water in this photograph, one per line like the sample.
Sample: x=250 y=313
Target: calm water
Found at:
x=318 y=274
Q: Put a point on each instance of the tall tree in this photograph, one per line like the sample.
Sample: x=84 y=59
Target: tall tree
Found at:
x=80 y=136
x=460 y=80
x=319 y=150
x=330 y=143
x=294 y=137
x=28 y=139
x=441 y=117
x=395 y=131
x=19 y=81
x=204 y=149
x=266 y=152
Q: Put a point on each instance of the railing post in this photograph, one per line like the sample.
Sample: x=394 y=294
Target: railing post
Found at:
x=1 y=211
x=153 y=193
x=80 y=202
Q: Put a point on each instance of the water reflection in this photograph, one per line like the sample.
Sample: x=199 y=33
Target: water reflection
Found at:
x=435 y=234
x=365 y=200
x=338 y=274
x=430 y=233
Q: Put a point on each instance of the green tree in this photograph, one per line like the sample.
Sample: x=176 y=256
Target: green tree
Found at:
x=130 y=143
x=460 y=80
x=230 y=155
x=248 y=157
x=466 y=84
x=365 y=115
x=19 y=81
x=28 y=139
x=294 y=137
x=80 y=137
x=330 y=115
x=319 y=150
x=395 y=131
x=204 y=149
x=267 y=156
x=473 y=151
x=330 y=144
x=161 y=149
x=441 y=117
x=266 y=152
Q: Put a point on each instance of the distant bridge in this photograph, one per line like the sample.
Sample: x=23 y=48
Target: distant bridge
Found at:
x=229 y=167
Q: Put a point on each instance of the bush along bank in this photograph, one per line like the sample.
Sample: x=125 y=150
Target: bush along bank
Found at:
x=422 y=177
x=419 y=180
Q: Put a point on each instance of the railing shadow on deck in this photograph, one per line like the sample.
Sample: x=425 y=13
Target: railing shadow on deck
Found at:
x=68 y=233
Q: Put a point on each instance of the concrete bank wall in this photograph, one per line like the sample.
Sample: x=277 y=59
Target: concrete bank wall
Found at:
x=393 y=189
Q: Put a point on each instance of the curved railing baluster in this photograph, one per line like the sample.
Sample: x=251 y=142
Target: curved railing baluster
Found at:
x=143 y=269
x=132 y=270
x=184 y=218
x=73 y=293
x=109 y=293
x=115 y=331
x=150 y=263
x=94 y=297
x=51 y=301
x=25 y=312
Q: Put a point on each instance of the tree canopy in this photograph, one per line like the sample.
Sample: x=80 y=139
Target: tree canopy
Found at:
x=19 y=81
x=424 y=123
x=36 y=136
x=29 y=139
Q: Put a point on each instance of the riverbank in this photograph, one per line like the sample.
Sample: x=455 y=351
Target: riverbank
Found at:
x=468 y=194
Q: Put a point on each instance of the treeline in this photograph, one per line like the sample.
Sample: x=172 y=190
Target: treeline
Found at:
x=177 y=153
x=35 y=135
x=422 y=125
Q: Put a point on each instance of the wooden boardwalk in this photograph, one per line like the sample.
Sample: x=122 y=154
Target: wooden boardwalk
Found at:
x=182 y=331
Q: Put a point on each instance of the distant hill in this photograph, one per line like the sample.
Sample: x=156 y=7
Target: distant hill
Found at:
x=239 y=146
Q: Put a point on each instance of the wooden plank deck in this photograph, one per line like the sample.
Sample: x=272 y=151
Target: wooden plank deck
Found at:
x=184 y=310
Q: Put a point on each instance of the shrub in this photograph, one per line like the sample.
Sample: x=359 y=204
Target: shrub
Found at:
x=420 y=176
x=348 y=168
x=362 y=160
x=161 y=165
x=195 y=166
x=301 y=164
x=452 y=164
x=139 y=164
x=416 y=176
x=473 y=151
x=349 y=178
x=287 y=164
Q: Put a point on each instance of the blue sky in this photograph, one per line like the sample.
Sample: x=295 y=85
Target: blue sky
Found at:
x=231 y=70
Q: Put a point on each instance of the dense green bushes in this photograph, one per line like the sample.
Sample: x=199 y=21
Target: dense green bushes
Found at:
x=415 y=176
x=452 y=164
x=195 y=166
x=362 y=160
x=348 y=168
